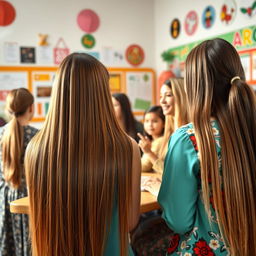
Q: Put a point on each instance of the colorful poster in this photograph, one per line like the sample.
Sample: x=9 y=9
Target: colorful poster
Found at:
x=208 y=17
x=139 y=89
x=27 y=55
x=42 y=88
x=191 y=23
x=115 y=82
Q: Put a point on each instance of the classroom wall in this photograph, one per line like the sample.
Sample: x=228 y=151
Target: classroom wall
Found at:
x=167 y=10
x=122 y=23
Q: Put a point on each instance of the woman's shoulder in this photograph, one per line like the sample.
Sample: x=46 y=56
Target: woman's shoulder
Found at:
x=30 y=131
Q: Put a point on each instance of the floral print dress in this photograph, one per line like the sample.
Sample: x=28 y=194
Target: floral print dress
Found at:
x=13 y=227
x=180 y=197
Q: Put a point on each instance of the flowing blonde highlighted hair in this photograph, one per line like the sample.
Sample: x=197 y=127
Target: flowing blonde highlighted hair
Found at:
x=78 y=166
x=210 y=68
x=181 y=114
x=17 y=103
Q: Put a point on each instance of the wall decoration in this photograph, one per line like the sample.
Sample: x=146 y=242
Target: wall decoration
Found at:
x=228 y=12
x=11 y=52
x=134 y=55
x=59 y=53
x=249 y=9
x=88 y=41
x=44 y=55
x=175 y=28
x=191 y=22
x=7 y=13
x=42 y=40
x=88 y=20
x=208 y=17
x=27 y=55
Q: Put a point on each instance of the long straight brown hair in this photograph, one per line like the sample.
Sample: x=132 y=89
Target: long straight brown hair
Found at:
x=78 y=166
x=210 y=68
x=17 y=103
x=181 y=114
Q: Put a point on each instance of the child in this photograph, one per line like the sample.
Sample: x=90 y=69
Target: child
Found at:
x=154 y=120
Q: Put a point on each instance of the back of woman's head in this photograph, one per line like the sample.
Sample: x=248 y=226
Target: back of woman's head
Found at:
x=17 y=103
x=127 y=113
x=216 y=87
x=75 y=165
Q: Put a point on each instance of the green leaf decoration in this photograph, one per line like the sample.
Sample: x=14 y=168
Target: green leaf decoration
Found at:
x=167 y=56
x=243 y=10
x=254 y=5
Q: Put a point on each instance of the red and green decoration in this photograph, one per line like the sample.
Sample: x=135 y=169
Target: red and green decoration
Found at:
x=134 y=55
x=250 y=11
x=88 y=41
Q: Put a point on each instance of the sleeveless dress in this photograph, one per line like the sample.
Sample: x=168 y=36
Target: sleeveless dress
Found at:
x=180 y=197
x=14 y=235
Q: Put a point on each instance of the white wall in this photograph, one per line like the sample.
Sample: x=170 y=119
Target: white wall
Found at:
x=122 y=23
x=167 y=10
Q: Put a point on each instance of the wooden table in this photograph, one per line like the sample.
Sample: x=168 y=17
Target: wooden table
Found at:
x=148 y=203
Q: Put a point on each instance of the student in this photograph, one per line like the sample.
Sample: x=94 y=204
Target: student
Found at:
x=174 y=105
x=211 y=203
x=125 y=116
x=154 y=120
x=14 y=137
x=83 y=171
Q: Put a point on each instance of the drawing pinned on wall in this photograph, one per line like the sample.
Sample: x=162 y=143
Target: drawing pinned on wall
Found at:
x=88 y=41
x=191 y=23
x=7 y=13
x=175 y=28
x=112 y=57
x=27 y=55
x=44 y=55
x=11 y=52
x=60 y=51
x=88 y=20
x=254 y=66
x=208 y=17
x=248 y=8
x=134 y=55
x=228 y=12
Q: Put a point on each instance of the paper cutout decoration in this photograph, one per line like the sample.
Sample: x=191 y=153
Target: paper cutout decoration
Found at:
x=7 y=13
x=228 y=12
x=208 y=17
x=191 y=22
x=42 y=40
x=134 y=55
x=88 y=20
x=175 y=28
x=59 y=53
x=27 y=55
x=249 y=9
x=88 y=41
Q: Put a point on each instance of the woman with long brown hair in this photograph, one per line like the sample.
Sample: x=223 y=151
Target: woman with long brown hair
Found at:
x=208 y=192
x=14 y=137
x=83 y=171
x=174 y=105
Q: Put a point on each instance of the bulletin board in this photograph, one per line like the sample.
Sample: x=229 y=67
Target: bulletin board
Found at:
x=138 y=84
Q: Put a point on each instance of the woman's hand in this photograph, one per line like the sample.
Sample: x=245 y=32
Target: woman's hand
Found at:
x=145 y=144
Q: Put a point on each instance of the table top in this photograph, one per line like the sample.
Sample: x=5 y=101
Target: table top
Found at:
x=148 y=203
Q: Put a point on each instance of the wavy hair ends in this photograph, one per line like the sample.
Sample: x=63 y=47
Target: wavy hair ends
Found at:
x=75 y=166
x=17 y=103
x=210 y=68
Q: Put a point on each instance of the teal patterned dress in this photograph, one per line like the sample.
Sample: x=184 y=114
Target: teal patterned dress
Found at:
x=180 y=197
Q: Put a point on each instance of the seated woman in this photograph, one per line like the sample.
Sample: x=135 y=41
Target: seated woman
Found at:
x=125 y=116
x=83 y=171
x=14 y=137
x=154 y=120
x=174 y=105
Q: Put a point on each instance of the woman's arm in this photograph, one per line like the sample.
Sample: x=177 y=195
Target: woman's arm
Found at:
x=134 y=212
